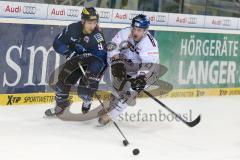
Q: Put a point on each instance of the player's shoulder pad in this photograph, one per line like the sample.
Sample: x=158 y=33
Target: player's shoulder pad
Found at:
x=123 y=34
x=126 y=29
x=149 y=41
x=73 y=27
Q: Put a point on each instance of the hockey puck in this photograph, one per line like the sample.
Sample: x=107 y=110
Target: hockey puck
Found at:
x=125 y=142
x=136 y=151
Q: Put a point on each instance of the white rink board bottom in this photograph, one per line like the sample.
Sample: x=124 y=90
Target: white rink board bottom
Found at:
x=26 y=135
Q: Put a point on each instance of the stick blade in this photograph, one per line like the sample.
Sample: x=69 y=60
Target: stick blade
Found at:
x=194 y=122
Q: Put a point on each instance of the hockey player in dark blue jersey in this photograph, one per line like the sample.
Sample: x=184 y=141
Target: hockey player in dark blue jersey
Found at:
x=80 y=39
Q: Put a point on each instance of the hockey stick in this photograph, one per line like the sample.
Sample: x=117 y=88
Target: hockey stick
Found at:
x=189 y=124
x=125 y=141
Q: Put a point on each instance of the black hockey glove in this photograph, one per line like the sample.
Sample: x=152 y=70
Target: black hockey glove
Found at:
x=138 y=83
x=118 y=69
x=73 y=54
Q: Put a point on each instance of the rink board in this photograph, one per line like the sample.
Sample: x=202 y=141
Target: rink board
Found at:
x=28 y=59
x=44 y=98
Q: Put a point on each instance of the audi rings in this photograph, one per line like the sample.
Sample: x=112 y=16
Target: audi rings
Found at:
x=73 y=12
x=29 y=10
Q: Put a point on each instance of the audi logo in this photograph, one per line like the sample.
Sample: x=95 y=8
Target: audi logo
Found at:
x=104 y=14
x=29 y=10
x=73 y=12
x=192 y=20
x=132 y=15
x=161 y=18
x=226 y=22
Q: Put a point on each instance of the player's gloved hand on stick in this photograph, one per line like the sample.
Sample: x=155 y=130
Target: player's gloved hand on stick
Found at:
x=118 y=69
x=85 y=55
x=78 y=48
x=70 y=53
x=138 y=83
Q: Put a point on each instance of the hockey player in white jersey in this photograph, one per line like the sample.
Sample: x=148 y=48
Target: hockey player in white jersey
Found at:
x=134 y=60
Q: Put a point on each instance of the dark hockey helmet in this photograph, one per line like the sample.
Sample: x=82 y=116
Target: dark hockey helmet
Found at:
x=140 y=21
x=89 y=13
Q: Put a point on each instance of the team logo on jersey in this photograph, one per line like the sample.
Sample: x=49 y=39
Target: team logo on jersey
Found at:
x=98 y=37
x=86 y=39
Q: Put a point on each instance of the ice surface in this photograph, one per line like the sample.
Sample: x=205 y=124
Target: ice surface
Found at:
x=26 y=135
